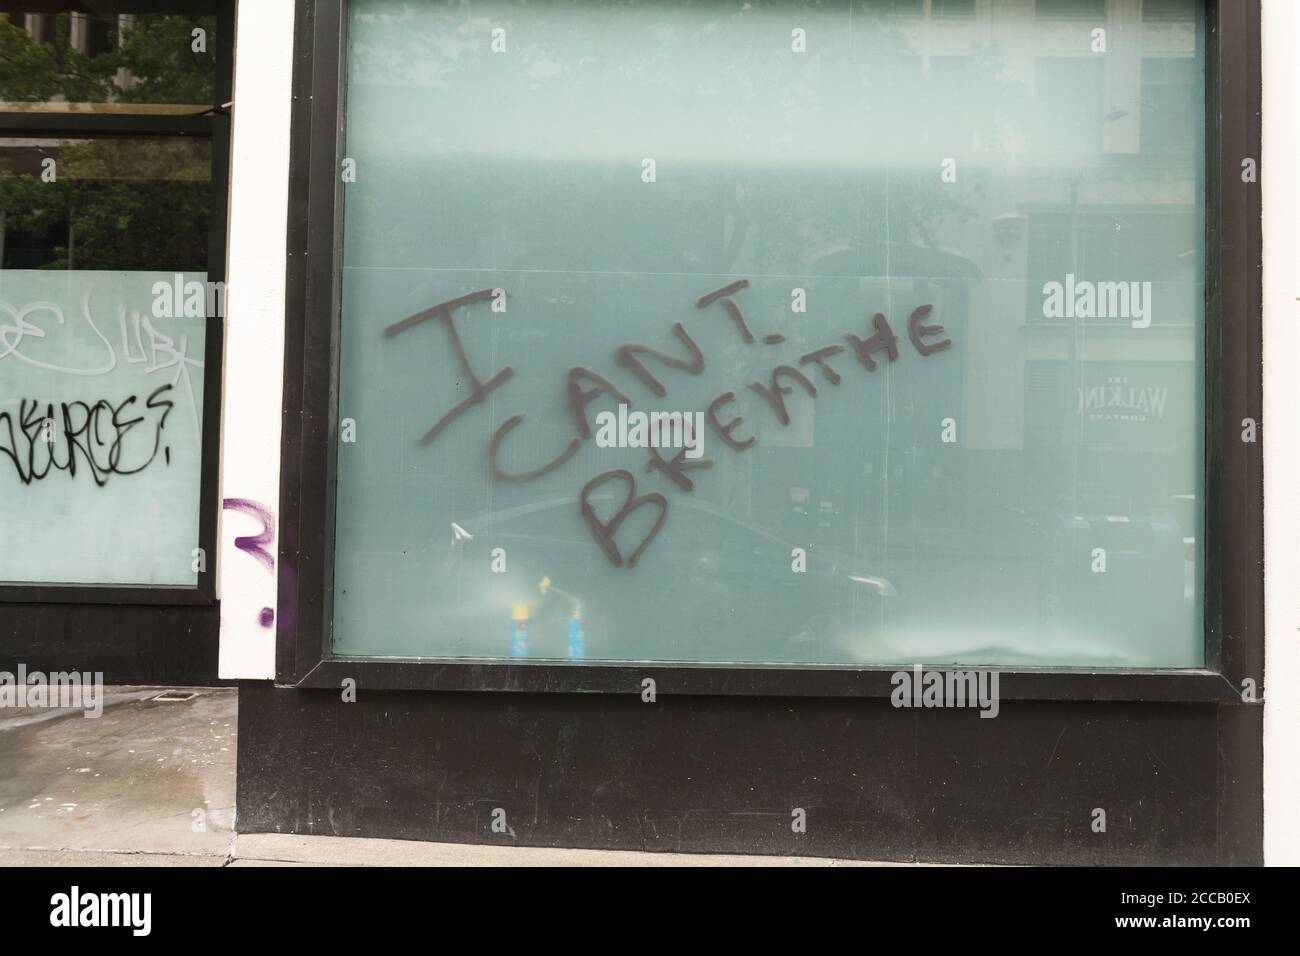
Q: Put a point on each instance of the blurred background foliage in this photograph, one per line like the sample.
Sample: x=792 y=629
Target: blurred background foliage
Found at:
x=105 y=202
x=147 y=58
x=129 y=204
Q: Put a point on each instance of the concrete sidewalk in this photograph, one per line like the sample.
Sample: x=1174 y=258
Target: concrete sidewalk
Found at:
x=152 y=783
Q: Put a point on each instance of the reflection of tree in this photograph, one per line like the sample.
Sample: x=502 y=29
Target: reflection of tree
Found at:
x=93 y=217
x=159 y=54
x=28 y=70
x=149 y=60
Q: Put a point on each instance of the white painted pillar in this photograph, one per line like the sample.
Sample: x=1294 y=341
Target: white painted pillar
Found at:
x=1281 y=435
x=254 y=359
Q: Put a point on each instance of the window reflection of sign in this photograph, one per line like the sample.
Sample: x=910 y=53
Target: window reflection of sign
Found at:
x=1121 y=401
x=1139 y=404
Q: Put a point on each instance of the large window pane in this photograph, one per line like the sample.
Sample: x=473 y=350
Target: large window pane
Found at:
x=578 y=178
x=103 y=309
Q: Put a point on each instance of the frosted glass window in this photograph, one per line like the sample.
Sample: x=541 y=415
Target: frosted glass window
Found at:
x=103 y=310
x=931 y=291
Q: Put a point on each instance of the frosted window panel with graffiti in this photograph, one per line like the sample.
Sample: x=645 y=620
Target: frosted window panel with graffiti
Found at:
x=917 y=297
x=101 y=397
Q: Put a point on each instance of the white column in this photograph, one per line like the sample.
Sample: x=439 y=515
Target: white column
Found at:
x=254 y=359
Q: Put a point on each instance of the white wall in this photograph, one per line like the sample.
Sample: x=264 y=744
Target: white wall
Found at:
x=1281 y=434
x=254 y=360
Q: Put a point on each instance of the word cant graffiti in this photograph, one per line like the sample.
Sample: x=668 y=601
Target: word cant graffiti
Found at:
x=86 y=437
x=583 y=386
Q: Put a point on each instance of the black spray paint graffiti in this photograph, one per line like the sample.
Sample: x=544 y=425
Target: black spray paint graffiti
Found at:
x=255 y=545
x=881 y=344
x=93 y=438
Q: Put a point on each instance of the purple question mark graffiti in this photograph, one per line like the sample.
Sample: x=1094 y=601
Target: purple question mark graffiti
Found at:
x=255 y=544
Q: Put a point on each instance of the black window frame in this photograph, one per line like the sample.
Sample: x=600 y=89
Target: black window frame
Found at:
x=212 y=124
x=1232 y=543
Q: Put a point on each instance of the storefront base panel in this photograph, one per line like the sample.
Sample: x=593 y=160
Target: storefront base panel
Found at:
x=136 y=644
x=1178 y=784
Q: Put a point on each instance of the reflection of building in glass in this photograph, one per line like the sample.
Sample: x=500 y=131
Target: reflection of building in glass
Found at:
x=1038 y=146
x=1104 y=186
x=106 y=60
x=90 y=34
x=1093 y=417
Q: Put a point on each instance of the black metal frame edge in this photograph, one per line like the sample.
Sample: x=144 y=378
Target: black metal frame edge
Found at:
x=1234 y=502
x=108 y=124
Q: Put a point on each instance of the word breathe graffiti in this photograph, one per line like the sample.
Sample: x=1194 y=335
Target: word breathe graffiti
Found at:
x=583 y=386
x=90 y=436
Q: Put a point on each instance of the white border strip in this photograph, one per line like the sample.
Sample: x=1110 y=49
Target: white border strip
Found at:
x=1281 y=436
x=254 y=359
